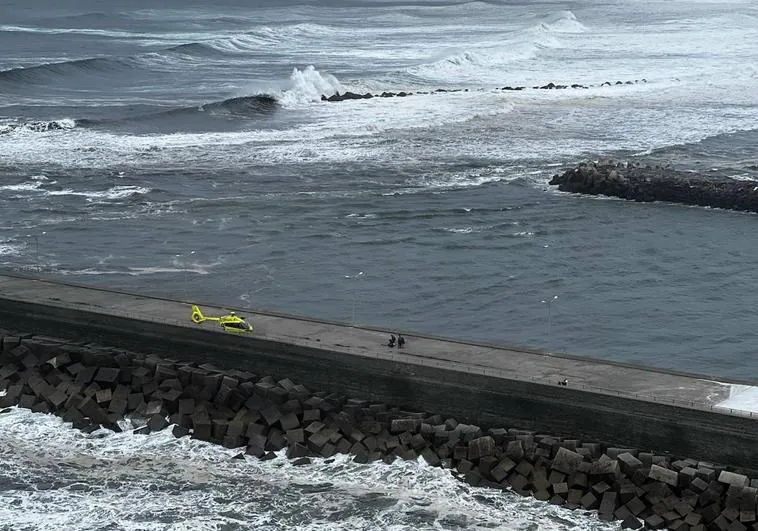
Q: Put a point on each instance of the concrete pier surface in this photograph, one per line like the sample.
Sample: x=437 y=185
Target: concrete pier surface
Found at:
x=696 y=416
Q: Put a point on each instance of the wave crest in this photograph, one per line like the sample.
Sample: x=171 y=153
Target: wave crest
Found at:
x=308 y=85
x=38 y=126
x=562 y=22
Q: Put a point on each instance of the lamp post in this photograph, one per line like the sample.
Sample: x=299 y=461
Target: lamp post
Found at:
x=36 y=248
x=354 y=278
x=549 y=304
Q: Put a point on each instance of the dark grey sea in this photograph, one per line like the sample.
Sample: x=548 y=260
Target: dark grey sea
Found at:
x=183 y=150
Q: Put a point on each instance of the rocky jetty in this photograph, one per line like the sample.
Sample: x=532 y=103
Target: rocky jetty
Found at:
x=94 y=387
x=550 y=86
x=655 y=183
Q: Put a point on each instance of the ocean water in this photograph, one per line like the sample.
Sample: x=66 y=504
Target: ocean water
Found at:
x=57 y=478
x=183 y=150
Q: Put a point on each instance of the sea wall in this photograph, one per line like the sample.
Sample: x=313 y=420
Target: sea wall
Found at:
x=93 y=387
x=655 y=183
x=471 y=397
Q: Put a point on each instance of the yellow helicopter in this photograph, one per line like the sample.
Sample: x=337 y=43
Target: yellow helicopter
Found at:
x=230 y=322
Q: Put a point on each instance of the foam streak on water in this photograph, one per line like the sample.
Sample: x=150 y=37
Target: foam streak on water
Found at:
x=55 y=477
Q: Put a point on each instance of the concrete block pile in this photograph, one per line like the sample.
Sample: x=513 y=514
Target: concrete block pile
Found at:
x=635 y=182
x=94 y=387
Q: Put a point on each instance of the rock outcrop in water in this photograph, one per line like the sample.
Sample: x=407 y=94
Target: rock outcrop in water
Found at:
x=550 y=86
x=94 y=387
x=655 y=183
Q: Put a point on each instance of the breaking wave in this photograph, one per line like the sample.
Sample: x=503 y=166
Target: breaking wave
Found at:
x=238 y=107
x=308 y=85
x=45 y=72
x=38 y=126
x=562 y=22
x=107 y=480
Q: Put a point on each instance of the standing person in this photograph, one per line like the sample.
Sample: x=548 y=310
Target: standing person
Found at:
x=400 y=341
x=391 y=341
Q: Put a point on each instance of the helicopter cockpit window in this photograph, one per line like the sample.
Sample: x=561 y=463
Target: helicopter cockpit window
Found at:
x=240 y=326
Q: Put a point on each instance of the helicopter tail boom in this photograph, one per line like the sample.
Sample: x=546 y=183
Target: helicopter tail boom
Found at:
x=198 y=317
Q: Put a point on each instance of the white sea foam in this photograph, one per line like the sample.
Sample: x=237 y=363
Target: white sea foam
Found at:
x=114 y=193
x=22 y=187
x=166 y=483
x=743 y=399
x=11 y=249
x=562 y=22
x=308 y=85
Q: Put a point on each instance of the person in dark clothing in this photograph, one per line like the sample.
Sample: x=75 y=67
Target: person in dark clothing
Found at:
x=400 y=341
x=391 y=341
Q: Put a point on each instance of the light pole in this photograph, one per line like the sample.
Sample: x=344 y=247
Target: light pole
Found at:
x=549 y=304
x=36 y=248
x=354 y=278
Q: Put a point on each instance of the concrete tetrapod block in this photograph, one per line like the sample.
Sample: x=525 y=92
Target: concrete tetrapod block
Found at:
x=295 y=436
x=107 y=375
x=635 y=506
x=664 y=475
x=578 y=479
x=698 y=485
x=236 y=428
x=219 y=427
x=566 y=461
x=706 y=473
x=710 y=512
x=430 y=457
x=30 y=361
x=574 y=497
x=157 y=422
x=731 y=514
x=607 y=505
x=524 y=467
x=589 y=501
x=154 y=407
x=481 y=447
x=692 y=519
x=731 y=478
x=90 y=408
x=401 y=425
x=518 y=482
x=289 y=421
x=103 y=395
x=418 y=442
x=275 y=440
x=654 y=521
x=57 y=399
x=629 y=463
x=605 y=466
x=41 y=407
x=310 y=415
x=489 y=462
x=298 y=450
x=317 y=440
x=271 y=415
x=202 y=428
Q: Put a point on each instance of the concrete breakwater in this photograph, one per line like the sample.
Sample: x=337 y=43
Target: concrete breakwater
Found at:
x=92 y=386
x=645 y=183
x=348 y=95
